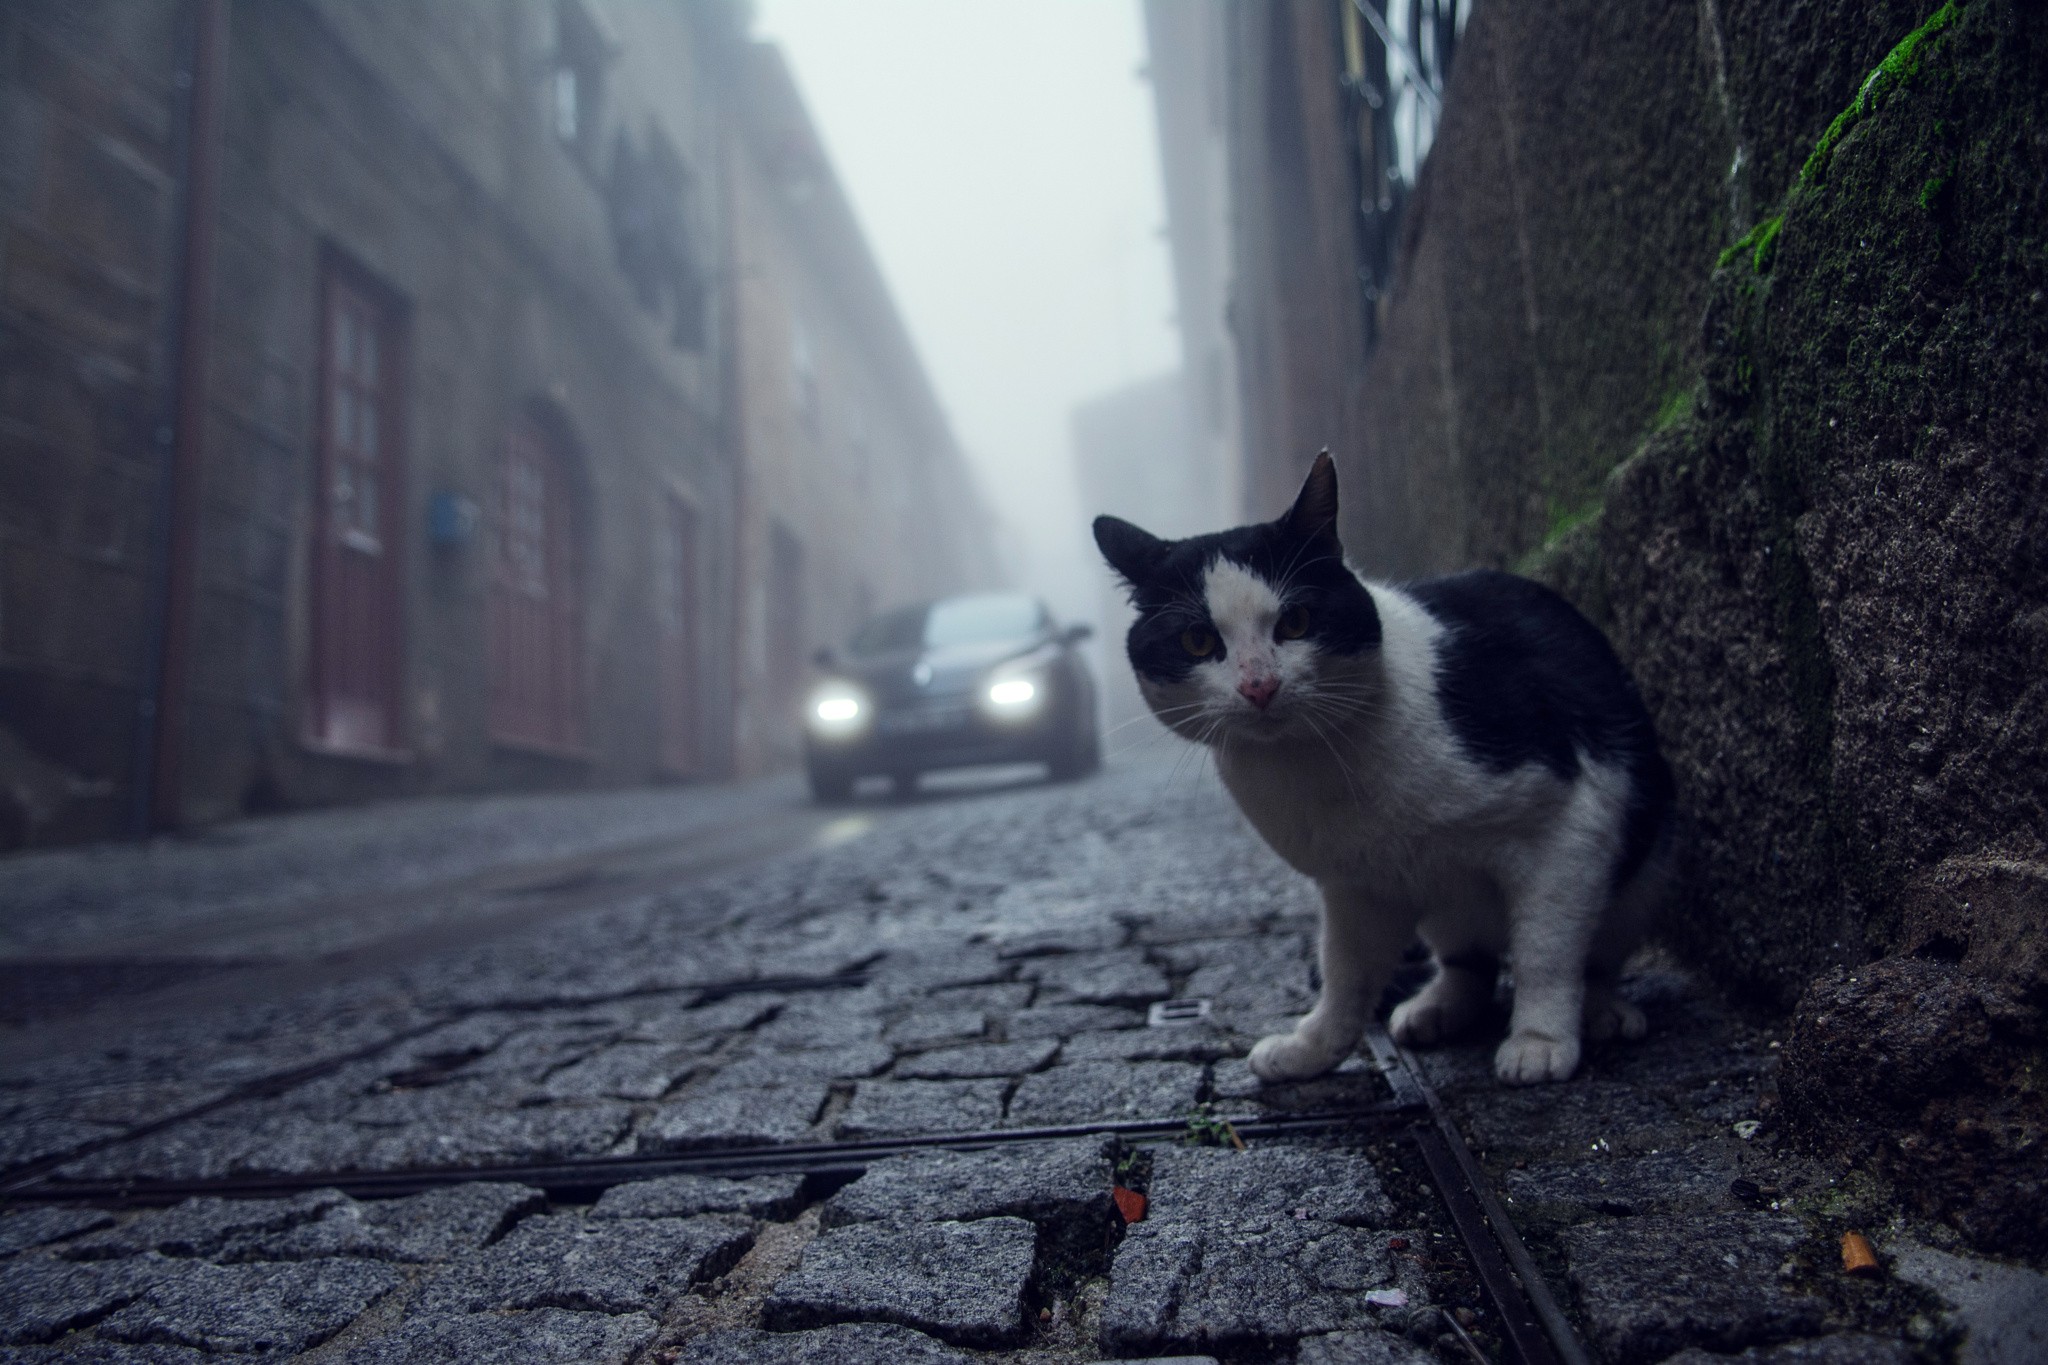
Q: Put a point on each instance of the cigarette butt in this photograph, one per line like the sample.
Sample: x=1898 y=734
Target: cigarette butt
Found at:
x=1858 y=1258
x=1231 y=1133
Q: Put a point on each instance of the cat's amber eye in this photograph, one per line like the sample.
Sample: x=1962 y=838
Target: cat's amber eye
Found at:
x=1199 y=641
x=1293 y=624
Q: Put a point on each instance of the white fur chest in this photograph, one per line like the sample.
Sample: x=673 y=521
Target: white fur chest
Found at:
x=1303 y=806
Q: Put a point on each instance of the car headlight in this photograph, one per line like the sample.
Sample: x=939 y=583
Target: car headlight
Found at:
x=837 y=710
x=1014 y=696
x=1012 y=692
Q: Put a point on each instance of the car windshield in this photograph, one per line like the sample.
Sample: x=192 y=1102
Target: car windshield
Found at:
x=982 y=619
x=900 y=629
x=975 y=620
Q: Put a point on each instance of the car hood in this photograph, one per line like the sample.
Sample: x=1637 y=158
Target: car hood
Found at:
x=907 y=675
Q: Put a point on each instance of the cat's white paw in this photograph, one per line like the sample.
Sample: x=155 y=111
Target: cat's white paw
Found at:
x=1427 y=1020
x=1531 y=1058
x=1290 y=1057
x=1613 y=1017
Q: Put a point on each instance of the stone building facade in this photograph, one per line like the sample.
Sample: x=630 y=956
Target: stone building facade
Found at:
x=371 y=416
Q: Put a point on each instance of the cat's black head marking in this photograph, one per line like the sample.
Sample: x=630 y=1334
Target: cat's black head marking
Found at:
x=1298 y=555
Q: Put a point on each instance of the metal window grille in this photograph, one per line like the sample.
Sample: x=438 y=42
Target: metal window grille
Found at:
x=1397 y=56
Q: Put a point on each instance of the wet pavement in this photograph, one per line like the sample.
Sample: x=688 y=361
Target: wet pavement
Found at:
x=753 y=1082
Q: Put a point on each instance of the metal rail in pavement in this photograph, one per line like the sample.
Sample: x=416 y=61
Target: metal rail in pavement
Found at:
x=1534 y=1326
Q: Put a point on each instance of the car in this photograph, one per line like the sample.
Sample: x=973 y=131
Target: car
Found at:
x=961 y=681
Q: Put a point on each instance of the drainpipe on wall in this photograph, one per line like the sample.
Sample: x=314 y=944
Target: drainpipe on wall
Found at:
x=159 y=803
x=735 y=420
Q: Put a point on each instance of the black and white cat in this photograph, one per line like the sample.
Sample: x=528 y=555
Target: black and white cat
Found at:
x=1464 y=757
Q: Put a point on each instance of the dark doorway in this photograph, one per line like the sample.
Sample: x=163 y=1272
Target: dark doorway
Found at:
x=536 y=597
x=357 y=660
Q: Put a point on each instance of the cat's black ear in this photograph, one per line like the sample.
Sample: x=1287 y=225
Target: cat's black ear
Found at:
x=1314 y=514
x=1136 y=554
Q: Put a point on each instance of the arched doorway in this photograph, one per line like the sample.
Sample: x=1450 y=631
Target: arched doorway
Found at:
x=537 y=668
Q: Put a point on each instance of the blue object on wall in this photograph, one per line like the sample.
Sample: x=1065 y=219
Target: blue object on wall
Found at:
x=452 y=519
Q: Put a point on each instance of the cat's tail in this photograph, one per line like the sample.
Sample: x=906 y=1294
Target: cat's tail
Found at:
x=1641 y=898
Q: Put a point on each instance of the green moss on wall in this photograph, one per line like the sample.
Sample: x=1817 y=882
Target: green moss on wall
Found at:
x=1900 y=64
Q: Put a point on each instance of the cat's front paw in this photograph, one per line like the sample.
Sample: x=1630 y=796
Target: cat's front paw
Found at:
x=1291 y=1057
x=1531 y=1058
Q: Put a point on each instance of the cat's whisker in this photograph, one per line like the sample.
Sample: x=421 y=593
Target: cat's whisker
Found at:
x=1161 y=715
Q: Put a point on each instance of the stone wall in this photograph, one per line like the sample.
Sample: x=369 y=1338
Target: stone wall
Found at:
x=1733 y=324
x=89 y=116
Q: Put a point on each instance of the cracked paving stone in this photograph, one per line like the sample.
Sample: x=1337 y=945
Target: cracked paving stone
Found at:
x=1105 y=1092
x=1850 y=1348
x=850 y=1343
x=999 y=997
x=90 y=1352
x=897 y=1108
x=1248 y=1283
x=773 y=1197
x=664 y=1022
x=39 y=1138
x=936 y=1028
x=1362 y=1348
x=1693 y=1179
x=1242 y=1250
x=501 y=1136
x=614 y=1266
x=1567 y=1120
x=546 y=1336
x=1180 y=1043
x=1067 y=1021
x=978 y=1060
x=961 y=1282
x=434 y=1226
x=42 y=1298
x=1654 y=1285
x=2002 y=1308
x=1027 y=936
x=1211 y=1184
x=21 y=1229
x=845 y=1017
x=1119 y=977
x=916 y=975
x=1352 y=1085
x=852 y=1062
x=1062 y=1187
x=185 y=1151
x=202 y=1226
x=742 y=1117
x=627 y=1071
x=243 y=1309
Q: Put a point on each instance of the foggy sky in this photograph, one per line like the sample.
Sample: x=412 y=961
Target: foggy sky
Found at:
x=1001 y=158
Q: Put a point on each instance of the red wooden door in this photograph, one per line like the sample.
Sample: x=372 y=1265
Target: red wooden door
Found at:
x=357 y=665
x=678 y=664
x=536 y=598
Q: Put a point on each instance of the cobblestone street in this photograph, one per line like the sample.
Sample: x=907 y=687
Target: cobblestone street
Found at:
x=790 y=1034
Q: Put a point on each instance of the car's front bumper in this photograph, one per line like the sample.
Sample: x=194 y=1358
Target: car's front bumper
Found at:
x=939 y=733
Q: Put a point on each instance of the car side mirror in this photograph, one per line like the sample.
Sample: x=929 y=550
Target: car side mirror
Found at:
x=1077 y=632
x=823 y=658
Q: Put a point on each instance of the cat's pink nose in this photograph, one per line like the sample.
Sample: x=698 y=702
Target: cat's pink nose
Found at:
x=1259 y=691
